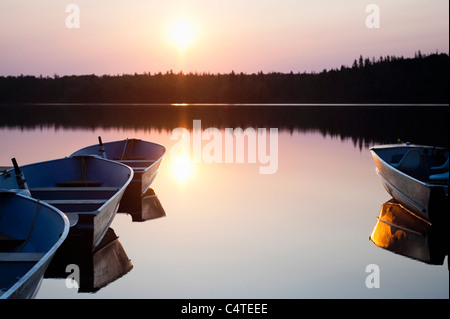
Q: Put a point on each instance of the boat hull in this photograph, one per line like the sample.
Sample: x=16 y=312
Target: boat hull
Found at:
x=49 y=228
x=92 y=226
x=418 y=196
x=30 y=288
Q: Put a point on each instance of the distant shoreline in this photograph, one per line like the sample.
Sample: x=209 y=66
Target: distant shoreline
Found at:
x=181 y=105
x=388 y=81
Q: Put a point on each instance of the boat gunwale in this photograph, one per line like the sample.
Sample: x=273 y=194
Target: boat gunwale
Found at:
x=121 y=141
x=49 y=254
x=386 y=164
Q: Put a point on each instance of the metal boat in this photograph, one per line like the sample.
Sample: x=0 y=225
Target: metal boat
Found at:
x=88 y=189
x=31 y=232
x=415 y=176
x=142 y=156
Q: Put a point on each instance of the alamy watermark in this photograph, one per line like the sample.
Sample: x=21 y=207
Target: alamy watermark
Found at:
x=73 y=19
x=373 y=19
x=373 y=279
x=228 y=146
x=73 y=279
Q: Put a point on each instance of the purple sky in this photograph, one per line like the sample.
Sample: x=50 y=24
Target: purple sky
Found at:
x=116 y=37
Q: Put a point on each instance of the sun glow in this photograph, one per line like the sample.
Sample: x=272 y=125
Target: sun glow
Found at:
x=182 y=34
x=181 y=168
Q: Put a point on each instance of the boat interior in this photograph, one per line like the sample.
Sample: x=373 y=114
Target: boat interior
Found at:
x=135 y=153
x=78 y=184
x=138 y=156
x=137 y=164
x=75 y=199
x=426 y=164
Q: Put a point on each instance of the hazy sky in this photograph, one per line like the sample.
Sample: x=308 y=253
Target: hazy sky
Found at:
x=128 y=36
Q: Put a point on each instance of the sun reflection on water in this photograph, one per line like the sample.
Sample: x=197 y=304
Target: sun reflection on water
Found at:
x=181 y=168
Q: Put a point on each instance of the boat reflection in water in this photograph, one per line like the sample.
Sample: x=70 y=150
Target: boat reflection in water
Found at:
x=96 y=268
x=108 y=261
x=142 y=208
x=402 y=232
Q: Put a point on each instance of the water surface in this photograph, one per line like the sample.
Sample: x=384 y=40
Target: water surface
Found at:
x=231 y=232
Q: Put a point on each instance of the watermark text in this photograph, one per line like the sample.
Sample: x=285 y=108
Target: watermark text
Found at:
x=228 y=146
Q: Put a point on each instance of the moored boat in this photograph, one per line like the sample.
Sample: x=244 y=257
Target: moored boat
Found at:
x=142 y=156
x=415 y=176
x=88 y=189
x=31 y=232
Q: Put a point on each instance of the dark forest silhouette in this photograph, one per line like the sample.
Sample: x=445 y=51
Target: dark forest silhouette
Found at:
x=390 y=79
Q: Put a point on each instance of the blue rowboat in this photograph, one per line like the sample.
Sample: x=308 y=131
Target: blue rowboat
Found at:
x=31 y=231
x=88 y=189
x=142 y=156
x=416 y=177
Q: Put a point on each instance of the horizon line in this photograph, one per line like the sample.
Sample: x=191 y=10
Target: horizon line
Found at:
x=181 y=72
x=181 y=104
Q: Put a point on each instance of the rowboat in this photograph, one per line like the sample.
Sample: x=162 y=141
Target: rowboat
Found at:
x=88 y=189
x=401 y=232
x=31 y=231
x=96 y=268
x=142 y=156
x=416 y=177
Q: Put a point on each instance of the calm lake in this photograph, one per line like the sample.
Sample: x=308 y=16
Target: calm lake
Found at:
x=232 y=232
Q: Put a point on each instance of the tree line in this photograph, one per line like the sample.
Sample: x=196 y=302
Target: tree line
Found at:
x=389 y=79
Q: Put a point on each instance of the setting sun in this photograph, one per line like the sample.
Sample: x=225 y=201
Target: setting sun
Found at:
x=182 y=34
